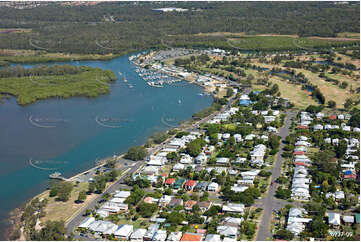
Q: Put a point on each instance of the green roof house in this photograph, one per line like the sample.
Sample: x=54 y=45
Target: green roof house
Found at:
x=179 y=183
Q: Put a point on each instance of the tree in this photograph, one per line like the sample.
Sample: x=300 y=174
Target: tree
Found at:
x=284 y=234
x=229 y=92
x=341 y=149
x=194 y=147
x=136 y=153
x=53 y=231
x=283 y=193
x=82 y=196
x=331 y=104
x=348 y=103
x=62 y=190
x=146 y=210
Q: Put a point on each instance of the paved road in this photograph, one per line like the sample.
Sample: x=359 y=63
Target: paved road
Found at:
x=269 y=202
x=80 y=216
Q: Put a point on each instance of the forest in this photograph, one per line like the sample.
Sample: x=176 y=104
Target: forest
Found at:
x=120 y=27
x=54 y=81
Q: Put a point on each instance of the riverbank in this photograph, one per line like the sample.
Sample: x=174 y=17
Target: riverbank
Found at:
x=8 y=57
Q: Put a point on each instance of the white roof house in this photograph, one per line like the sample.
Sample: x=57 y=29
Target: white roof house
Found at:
x=178 y=167
x=124 y=231
x=231 y=220
x=269 y=119
x=86 y=222
x=348 y=219
x=122 y=194
x=233 y=207
x=222 y=160
x=317 y=127
x=238 y=137
x=164 y=200
x=228 y=231
x=213 y=187
x=334 y=219
x=236 y=188
x=186 y=159
x=174 y=236
x=160 y=235
x=102 y=213
x=138 y=234
x=213 y=237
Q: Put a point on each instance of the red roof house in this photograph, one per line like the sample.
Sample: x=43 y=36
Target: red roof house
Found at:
x=333 y=117
x=190 y=184
x=298 y=153
x=302 y=127
x=170 y=181
x=352 y=176
x=300 y=164
x=191 y=237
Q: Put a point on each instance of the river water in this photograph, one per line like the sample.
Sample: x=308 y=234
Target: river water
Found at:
x=74 y=140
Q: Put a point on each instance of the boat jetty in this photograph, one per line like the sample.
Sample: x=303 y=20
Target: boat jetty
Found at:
x=57 y=175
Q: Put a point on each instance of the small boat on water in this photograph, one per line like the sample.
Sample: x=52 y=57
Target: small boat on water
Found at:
x=179 y=101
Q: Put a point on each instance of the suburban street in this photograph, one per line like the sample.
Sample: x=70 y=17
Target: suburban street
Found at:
x=269 y=203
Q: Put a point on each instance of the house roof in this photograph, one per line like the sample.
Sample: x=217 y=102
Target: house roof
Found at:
x=334 y=218
x=190 y=203
x=213 y=237
x=204 y=204
x=191 y=237
x=191 y=183
x=138 y=234
x=124 y=230
x=170 y=181
x=348 y=219
x=332 y=117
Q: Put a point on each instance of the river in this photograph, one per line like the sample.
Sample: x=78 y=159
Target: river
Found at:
x=73 y=139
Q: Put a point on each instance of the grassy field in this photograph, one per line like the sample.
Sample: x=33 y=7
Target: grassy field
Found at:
x=30 y=89
x=301 y=98
x=56 y=210
x=348 y=35
x=330 y=91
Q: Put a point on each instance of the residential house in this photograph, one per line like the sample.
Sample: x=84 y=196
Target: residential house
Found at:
x=213 y=187
x=152 y=229
x=190 y=184
x=124 y=232
x=189 y=205
x=164 y=200
x=138 y=234
x=334 y=219
x=174 y=236
x=204 y=205
x=179 y=183
x=222 y=161
x=213 y=237
x=175 y=202
x=160 y=235
x=201 y=186
x=228 y=231
x=233 y=208
x=191 y=237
